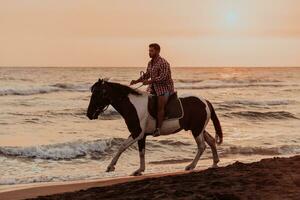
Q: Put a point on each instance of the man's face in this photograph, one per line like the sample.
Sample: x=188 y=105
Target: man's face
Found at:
x=152 y=52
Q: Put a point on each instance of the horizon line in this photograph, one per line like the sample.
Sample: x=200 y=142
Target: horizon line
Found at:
x=226 y=66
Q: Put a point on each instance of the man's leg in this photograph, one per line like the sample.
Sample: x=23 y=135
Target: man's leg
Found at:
x=161 y=102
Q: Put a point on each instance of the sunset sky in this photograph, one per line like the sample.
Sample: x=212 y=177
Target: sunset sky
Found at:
x=117 y=32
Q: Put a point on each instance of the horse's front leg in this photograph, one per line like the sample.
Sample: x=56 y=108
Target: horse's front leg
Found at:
x=127 y=143
x=141 y=144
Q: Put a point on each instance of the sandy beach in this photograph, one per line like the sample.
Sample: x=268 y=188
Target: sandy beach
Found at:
x=275 y=178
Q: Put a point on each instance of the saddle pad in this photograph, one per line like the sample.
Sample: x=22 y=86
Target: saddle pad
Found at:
x=173 y=108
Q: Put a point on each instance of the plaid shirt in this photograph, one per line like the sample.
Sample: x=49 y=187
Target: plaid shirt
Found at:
x=160 y=73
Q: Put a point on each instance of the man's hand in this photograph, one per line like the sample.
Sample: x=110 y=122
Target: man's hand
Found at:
x=133 y=82
x=147 y=82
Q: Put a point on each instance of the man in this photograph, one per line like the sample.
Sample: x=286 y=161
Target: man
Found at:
x=159 y=81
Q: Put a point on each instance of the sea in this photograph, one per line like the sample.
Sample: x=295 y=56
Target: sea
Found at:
x=45 y=136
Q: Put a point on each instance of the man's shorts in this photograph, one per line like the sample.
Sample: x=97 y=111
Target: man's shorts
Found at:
x=167 y=94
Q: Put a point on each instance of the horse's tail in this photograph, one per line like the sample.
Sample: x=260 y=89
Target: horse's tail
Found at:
x=216 y=122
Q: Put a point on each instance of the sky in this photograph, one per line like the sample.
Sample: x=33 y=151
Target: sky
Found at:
x=118 y=32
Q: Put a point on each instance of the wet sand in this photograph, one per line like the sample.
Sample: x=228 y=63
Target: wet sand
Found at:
x=276 y=178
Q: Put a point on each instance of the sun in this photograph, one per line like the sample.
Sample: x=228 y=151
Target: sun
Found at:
x=231 y=18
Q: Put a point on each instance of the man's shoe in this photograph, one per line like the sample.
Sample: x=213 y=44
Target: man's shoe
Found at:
x=156 y=132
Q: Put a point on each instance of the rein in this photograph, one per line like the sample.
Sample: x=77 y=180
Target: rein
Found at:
x=138 y=87
x=141 y=74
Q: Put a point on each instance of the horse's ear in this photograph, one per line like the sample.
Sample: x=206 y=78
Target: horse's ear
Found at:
x=106 y=79
x=100 y=80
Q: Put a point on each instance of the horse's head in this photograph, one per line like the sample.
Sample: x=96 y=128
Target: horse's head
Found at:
x=100 y=99
x=105 y=93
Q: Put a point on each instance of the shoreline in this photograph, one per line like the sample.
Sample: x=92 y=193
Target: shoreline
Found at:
x=271 y=178
x=25 y=191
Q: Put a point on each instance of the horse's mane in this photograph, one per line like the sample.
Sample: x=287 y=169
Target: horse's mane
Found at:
x=117 y=87
x=123 y=89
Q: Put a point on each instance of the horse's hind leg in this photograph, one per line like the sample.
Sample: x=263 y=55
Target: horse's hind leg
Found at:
x=201 y=147
x=212 y=143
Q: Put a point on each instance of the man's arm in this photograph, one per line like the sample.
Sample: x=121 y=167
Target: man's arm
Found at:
x=144 y=77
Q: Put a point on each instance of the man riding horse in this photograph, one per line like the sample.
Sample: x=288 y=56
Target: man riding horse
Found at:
x=135 y=107
x=159 y=80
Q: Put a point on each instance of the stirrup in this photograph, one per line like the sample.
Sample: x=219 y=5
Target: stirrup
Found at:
x=156 y=133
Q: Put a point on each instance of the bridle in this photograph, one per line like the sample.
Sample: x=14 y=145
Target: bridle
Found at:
x=98 y=109
x=102 y=110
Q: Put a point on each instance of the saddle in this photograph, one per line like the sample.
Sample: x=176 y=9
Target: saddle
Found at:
x=173 y=108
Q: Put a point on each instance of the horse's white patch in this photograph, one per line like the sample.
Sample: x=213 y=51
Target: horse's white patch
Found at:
x=168 y=126
x=208 y=114
x=140 y=102
x=147 y=123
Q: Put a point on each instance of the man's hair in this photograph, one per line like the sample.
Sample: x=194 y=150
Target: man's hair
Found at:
x=155 y=46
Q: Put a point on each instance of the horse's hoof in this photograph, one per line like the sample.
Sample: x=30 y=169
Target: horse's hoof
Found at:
x=189 y=167
x=110 y=169
x=136 y=173
x=215 y=165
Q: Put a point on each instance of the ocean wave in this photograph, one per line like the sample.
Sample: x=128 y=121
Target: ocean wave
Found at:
x=253 y=103
x=72 y=87
x=171 y=161
x=280 y=150
x=103 y=148
x=216 y=84
x=174 y=143
x=29 y=91
x=220 y=86
x=179 y=84
x=187 y=80
x=44 y=89
x=69 y=150
x=249 y=80
x=43 y=178
x=262 y=115
x=7 y=78
x=233 y=80
x=109 y=114
x=95 y=149
x=223 y=152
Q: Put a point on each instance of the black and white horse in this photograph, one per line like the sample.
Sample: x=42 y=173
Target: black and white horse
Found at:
x=132 y=106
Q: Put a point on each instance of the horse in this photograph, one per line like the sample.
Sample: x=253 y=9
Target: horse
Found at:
x=132 y=106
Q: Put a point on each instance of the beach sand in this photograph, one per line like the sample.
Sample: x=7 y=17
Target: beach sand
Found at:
x=275 y=178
